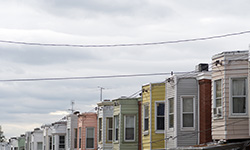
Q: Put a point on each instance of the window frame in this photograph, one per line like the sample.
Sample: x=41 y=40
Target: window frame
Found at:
x=173 y=113
x=134 y=128
x=108 y=129
x=86 y=137
x=215 y=98
x=60 y=143
x=182 y=113
x=232 y=114
x=156 y=116
x=80 y=137
x=116 y=133
x=100 y=129
x=145 y=132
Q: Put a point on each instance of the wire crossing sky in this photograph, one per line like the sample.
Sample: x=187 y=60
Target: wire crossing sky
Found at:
x=126 y=45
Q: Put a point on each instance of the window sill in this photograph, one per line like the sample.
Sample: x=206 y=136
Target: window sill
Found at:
x=116 y=142
x=159 y=131
x=129 y=141
x=145 y=133
x=187 y=129
x=217 y=118
x=238 y=116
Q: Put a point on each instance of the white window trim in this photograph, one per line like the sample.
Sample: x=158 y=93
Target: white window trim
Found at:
x=115 y=128
x=231 y=114
x=125 y=128
x=108 y=129
x=168 y=105
x=194 y=120
x=158 y=131
x=214 y=99
x=87 y=137
x=145 y=132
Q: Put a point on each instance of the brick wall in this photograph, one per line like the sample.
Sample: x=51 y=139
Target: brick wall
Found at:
x=205 y=110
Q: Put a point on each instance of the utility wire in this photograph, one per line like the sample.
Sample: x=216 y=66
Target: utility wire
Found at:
x=124 y=44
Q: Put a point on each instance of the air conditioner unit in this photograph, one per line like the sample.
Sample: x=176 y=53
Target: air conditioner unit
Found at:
x=217 y=112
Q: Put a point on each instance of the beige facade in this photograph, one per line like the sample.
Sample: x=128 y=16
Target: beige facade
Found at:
x=230 y=96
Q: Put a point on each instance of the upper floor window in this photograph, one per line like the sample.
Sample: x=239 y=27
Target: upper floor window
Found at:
x=110 y=129
x=100 y=129
x=146 y=118
x=171 y=113
x=217 y=102
x=61 y=142
x=239 y=96
x=160 y=118
x=129 y=124
x=116 y=121
x=90 y=137
x=80 y=137
x=187 y=112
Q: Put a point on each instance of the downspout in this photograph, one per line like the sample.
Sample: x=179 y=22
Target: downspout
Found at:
x=175 y=109
x=224 y=90
x=150 y=116
x=198 y=112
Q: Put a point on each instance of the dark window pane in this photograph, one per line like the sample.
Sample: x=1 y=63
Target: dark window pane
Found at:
x=171 y=121
x=188 y=120
x=146 y=124
x=160 y=123
x=239 y=105
x=129 y=134
x=161 y=109
x=90 y=143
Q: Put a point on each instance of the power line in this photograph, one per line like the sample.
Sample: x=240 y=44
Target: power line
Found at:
x=87 y=77
x=124 y=44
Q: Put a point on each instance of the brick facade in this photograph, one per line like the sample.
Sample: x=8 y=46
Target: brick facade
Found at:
x=205 y=110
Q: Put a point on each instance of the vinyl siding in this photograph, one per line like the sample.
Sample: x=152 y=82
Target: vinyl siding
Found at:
x=126 y=107
x=158 y=94
x=232 y=127
x=170 y=93
x=187 y=87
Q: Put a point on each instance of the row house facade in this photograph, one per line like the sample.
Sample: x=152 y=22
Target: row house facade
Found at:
x=188 y=108
x=87 y=131
x=126 y=124
x=153 y=115
x=230 y=96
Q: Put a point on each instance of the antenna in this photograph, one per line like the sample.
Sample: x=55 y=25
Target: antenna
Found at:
x=101 y=88
x=72 y=106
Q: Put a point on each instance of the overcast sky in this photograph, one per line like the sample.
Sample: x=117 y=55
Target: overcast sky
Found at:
x=26 y=105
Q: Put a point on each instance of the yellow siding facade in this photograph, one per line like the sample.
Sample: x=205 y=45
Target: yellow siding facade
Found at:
x=152 y=93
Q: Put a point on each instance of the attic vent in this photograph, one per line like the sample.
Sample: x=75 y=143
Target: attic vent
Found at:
x=202 y=67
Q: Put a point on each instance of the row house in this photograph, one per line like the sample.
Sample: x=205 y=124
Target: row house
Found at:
x=126 y=124
x=230 y=96
x=188 y=108
x=59 y=135
x=71 y=134
x=87 y=131
x=153 y=115
x=21 y=142
x=36 y=141
x=105 y=124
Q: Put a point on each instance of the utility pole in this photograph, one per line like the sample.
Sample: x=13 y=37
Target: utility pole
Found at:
x=101 y=88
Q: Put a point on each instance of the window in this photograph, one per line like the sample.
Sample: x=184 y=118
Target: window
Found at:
x=75 y=138
x=171 y=113
x=109 y=129
x=188 y=112
x=61 y=142
x=69 y=138
x=160 y=118
x=90 y=137
x=100 y=129
x=50 y=143
x=238 y=96
x=129 y=124
x=217 y=84
x=116 y=127
x=39 y=145
x=53 y=142
x=80 y=137
x=146 y=118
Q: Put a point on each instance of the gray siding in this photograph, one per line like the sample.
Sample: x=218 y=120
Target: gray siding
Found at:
x=182 y=86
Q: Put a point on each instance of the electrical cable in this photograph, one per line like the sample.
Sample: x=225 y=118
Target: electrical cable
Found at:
x=125 y=45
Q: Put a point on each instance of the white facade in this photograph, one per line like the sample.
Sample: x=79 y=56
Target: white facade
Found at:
x=4 y=146
x=47 y=137
x=59 y=135
x=13 y=143
x=71 y=132
x=36 y=139
x=28 y=140
x=105 y=111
